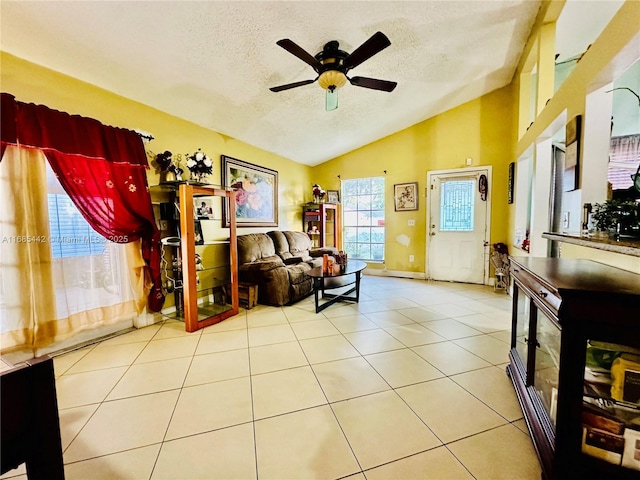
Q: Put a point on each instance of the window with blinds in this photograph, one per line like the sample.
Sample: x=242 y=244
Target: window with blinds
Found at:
x=624 y=159
x=71 y=235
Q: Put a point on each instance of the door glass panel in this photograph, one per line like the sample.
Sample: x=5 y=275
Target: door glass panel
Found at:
x=456 y=205
x=547 y=367
x=522 y=326
x=330 y=228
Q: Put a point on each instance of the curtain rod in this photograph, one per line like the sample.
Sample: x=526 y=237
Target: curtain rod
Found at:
x=145 y=135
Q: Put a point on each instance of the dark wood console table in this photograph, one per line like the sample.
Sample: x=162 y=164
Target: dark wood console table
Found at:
x=30 y=422
x=574 y=362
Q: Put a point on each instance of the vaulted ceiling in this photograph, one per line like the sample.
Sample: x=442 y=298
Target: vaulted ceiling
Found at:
x=212 y=62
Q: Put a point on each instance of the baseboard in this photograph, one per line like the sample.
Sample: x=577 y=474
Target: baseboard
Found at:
x=402 y=274
x=395 y=273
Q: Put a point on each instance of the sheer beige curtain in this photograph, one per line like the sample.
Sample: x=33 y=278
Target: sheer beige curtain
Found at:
x=48 y=298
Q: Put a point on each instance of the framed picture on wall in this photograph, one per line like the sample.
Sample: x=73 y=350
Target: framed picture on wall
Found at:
x=256 y=192
x=405 y=196
x=572 y=154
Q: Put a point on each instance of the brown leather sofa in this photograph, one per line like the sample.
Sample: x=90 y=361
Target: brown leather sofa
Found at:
x=277 y=262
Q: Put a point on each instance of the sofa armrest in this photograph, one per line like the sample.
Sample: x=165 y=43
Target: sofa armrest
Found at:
x=318 y=252
x=264 y=266
x=293 y=260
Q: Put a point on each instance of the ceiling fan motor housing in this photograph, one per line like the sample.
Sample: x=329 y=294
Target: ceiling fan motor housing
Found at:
x=332 y=74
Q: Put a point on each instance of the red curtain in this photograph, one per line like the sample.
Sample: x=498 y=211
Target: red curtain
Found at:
x=102 y=169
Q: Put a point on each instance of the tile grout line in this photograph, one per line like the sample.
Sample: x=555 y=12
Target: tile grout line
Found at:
x=103 y=401
x=344 y=434
x=359 y=354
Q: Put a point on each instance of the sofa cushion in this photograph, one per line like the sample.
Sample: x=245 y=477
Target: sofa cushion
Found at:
x=280 y=244
x=300 y=284
x=262 y=265
x=254 y=247
x=299 y=244
x=273 y=285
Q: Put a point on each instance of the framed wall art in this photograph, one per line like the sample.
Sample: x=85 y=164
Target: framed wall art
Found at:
x=572 y=154
x=405 y=196
x=256 y=192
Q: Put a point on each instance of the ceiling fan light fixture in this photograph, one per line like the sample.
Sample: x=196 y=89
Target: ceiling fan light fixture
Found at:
x=332 y=79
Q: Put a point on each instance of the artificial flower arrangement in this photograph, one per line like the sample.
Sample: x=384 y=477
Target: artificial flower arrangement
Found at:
x=163 y=160
x=164 y=163
x=318 y=192
x=199 y=164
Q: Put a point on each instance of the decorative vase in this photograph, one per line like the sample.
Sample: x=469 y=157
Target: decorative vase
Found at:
x=198 y=177
x=169 y=177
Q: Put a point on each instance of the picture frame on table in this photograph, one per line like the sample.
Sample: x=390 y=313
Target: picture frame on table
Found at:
x=333 y=196
x=405 y=196
x=256 y=190
x=203 y=208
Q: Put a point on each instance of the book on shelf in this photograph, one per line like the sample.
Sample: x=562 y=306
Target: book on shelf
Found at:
x=606 y=423
x=631 y=454
x=601 y=444
x=625 y=380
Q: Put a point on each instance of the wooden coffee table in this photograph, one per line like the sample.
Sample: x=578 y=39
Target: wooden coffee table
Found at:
x=338 y=277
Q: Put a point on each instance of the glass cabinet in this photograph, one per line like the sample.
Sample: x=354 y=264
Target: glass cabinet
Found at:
x=575 y=365
x=199 y=254
x=321 y=221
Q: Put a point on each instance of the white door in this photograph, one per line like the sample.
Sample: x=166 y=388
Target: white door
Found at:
x=458 y=225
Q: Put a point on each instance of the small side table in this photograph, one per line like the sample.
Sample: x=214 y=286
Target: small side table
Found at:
x=248 y=294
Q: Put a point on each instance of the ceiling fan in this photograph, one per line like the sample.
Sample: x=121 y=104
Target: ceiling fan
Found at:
x=332 y=65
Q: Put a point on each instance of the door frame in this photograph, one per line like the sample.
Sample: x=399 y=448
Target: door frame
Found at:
x=488 y=171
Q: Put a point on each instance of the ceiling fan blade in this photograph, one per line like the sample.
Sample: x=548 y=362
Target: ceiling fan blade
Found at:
x=368 y=49
x=291 y=85
x=294 y=49
x=373 y=83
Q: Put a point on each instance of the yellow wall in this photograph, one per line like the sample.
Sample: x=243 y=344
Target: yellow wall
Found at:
x=625 y=262
x=33 y=83
x=606 y=59
x=482 y=129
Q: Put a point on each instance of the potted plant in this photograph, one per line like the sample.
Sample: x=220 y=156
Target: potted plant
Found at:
x=618 y=217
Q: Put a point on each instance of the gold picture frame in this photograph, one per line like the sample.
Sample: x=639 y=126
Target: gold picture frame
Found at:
x=256 y=192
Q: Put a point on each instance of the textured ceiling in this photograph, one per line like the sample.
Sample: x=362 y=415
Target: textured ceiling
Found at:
x=213 y=62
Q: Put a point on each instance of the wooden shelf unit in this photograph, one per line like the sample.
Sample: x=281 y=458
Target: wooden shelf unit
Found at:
x=208 y=294
x=326 y=218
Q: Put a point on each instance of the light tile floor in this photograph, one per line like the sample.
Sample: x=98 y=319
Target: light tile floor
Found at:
x=409 y=383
